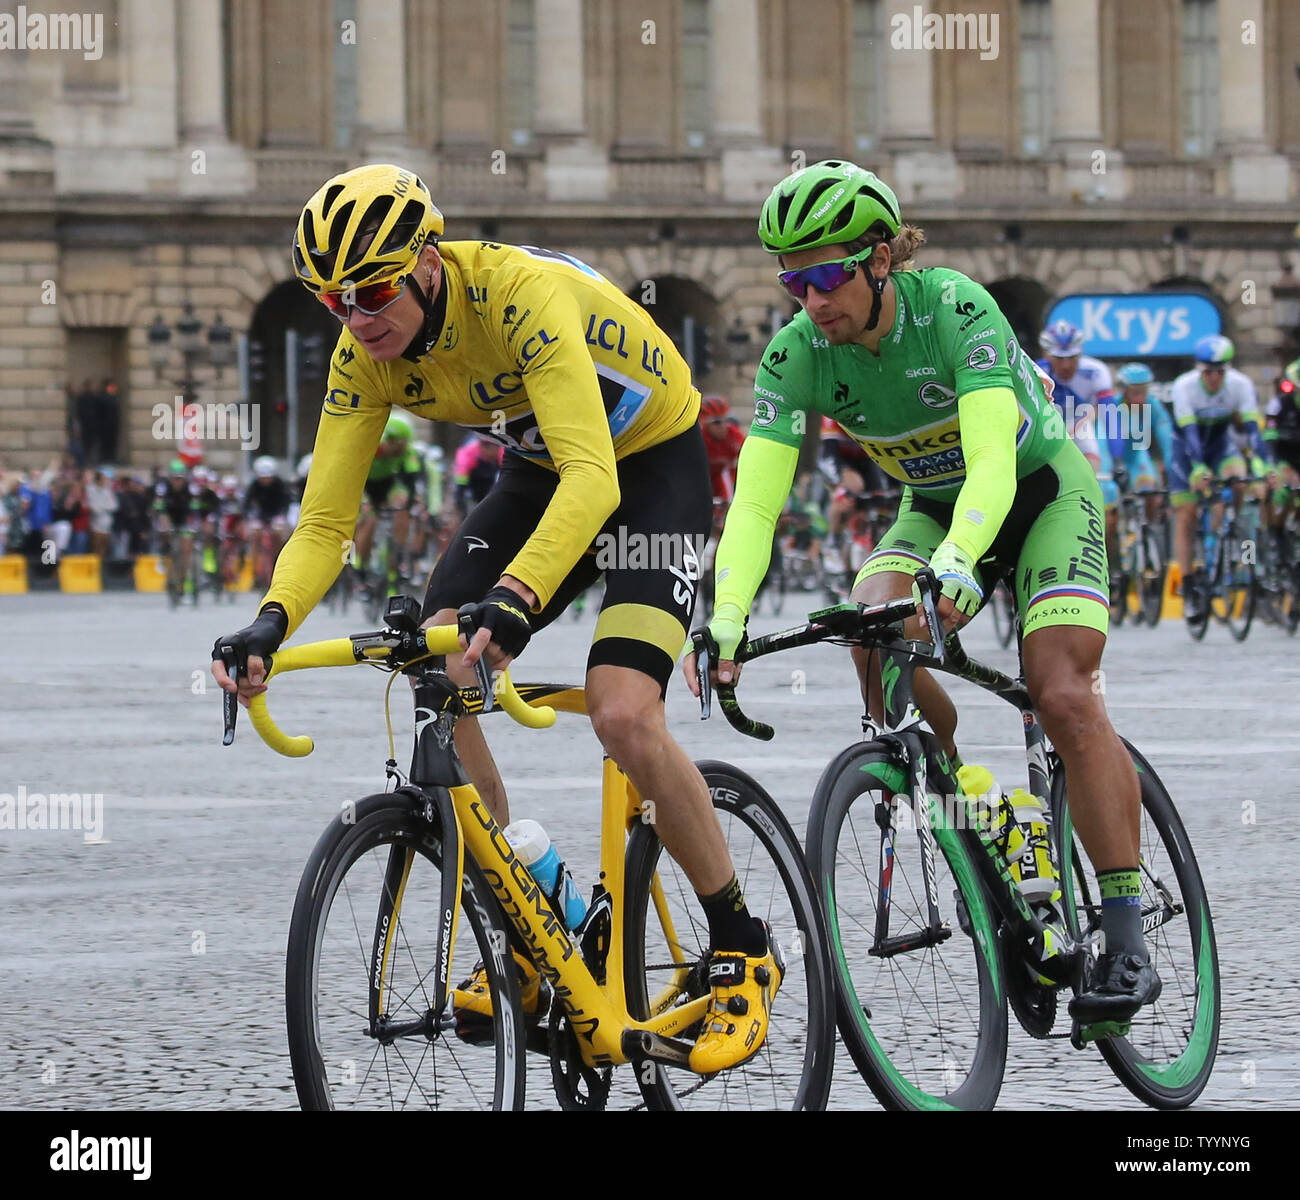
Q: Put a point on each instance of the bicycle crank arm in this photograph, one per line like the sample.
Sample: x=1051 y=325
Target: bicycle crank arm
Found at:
x=644 y=1045
x=1153 y=918
x=911 y=941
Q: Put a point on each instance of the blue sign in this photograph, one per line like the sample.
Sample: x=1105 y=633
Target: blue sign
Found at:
x=1139 y=324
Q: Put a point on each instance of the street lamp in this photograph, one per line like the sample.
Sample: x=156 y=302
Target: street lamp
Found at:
x=219 y=351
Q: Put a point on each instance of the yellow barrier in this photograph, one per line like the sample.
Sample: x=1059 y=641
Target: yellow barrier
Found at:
x=150 y=573
x=1172 y=608
x=80 y=573
x=13 y=575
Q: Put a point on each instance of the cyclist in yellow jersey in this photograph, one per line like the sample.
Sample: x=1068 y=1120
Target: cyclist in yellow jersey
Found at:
x=598 y=415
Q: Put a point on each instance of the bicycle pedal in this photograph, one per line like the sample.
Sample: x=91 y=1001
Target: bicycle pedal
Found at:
x=1099 y=1031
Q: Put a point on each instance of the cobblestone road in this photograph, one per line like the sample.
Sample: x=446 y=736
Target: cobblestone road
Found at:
x=145 y=969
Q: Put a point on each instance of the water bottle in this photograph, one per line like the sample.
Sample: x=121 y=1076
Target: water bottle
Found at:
x=529 y=841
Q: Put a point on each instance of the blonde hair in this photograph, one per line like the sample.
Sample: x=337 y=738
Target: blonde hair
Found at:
x=901 y=248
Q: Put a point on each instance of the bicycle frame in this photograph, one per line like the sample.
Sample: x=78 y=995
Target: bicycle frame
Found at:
x=907 y=730
x=606 y=1033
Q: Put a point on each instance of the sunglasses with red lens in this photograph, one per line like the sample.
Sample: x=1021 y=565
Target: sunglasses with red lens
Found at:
x=371 y=299
x=825 y=277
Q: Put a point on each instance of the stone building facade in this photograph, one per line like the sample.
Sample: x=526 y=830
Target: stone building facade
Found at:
x=1047 y=147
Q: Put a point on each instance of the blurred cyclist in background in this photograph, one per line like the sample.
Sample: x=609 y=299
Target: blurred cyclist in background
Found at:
x=1219 y=425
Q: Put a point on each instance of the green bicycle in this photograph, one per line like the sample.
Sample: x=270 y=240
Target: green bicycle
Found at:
x=932 y=938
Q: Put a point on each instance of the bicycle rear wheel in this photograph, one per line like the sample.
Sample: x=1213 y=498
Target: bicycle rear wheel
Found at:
x=1169 y=1052
x=1151 y=579
x=1003 y=605
x=922 y=1002
x=360 y=968
x=667 y=943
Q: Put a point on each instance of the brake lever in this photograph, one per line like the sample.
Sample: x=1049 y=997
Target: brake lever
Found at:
x=929 y=585
x=229 y=700
x=465 y=623
x=702 y=664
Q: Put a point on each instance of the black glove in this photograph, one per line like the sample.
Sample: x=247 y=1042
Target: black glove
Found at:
x=260 y=639
x=504 y=613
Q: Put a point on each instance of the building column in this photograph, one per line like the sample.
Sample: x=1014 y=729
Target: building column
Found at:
x=748 y=168
x=209 y=161
x=1088 y=167
x=919 y=168
x=1255 y=174
x=381 y=79
x=575 y=168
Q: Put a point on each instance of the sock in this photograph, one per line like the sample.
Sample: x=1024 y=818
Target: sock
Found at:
x=730 y=925
x=1121 y=911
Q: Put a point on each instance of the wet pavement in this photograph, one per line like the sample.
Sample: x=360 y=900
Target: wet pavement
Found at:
x=144 y=968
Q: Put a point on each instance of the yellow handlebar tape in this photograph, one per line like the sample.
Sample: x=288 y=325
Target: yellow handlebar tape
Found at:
x=340 y=652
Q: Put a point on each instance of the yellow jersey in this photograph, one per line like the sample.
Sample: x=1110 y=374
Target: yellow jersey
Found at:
x=536 y=350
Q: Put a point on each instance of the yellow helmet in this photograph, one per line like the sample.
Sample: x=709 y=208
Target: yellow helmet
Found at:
x=386 y=201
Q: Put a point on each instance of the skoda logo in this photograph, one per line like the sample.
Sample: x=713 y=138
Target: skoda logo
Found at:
x=764 y=412
x=936 y=395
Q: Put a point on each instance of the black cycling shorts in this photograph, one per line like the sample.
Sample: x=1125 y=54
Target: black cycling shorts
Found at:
x=648 y=552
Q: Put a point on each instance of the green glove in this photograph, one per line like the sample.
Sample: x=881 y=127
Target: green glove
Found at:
x=727 y=629
x=956 y=571
x=1200 y=473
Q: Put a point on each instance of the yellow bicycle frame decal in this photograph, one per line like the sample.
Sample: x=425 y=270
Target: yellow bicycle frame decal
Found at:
x=598 y=1015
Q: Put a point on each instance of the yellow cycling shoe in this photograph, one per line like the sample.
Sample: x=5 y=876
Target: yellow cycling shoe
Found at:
x=735 y=1025
x=474 y=996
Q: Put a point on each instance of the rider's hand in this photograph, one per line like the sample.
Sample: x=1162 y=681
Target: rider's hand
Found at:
x=500 y=620
x=955 y=570
x=726 y=631
x=1200 y=476
x=251 y=646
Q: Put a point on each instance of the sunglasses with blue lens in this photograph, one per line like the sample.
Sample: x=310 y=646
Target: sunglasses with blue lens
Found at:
x=825 y=277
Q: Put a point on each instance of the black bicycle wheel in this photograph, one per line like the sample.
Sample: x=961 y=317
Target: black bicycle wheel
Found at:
x=1003 y=604
x=1237 y=573
x=360 y=969
x=667 y=948
x=1169 y=1052
x=922 y=1003
x=1151 y=578
x=1196 y=603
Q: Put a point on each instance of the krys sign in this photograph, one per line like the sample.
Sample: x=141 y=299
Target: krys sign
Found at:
x=1143 y=324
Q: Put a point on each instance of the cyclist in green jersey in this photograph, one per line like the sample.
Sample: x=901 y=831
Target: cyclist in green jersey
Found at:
x=923 y=370
x=392 y=482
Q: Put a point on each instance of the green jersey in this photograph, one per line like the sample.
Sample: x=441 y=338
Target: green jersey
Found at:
x=900 y=405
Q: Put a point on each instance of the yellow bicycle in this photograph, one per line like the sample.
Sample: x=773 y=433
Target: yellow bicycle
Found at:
x=403 y=882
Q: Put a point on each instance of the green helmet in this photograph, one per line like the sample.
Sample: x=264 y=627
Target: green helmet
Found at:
x=828 y=202
x=398 y=429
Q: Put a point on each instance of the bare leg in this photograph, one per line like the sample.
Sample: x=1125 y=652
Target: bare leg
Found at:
x=628 y=717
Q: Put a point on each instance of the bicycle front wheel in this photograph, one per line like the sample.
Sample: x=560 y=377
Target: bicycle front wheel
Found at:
x=922 y=1006
x=667 y=944
x=1168 y=1055
x=360 y=968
